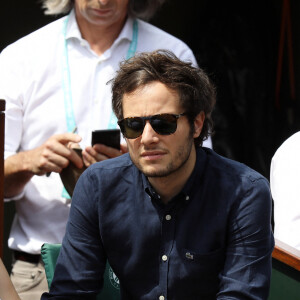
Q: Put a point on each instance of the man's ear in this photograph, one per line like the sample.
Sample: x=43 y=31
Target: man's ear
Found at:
x=198 y=124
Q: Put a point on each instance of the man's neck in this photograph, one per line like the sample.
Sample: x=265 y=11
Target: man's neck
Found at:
x=171 y=185
x=99 y=37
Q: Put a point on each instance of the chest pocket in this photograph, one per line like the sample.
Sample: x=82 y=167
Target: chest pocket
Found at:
x=200 y=272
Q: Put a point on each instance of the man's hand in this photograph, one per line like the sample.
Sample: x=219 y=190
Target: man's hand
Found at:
x=101 y=152
x=52 y=156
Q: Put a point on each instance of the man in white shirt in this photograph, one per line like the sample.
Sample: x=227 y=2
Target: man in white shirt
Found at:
x=285 y=188
x=54 y=80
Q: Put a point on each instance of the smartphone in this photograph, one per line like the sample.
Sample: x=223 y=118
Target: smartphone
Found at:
x=108 y=137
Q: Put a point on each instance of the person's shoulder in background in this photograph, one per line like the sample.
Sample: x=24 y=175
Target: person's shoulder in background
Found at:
x=37 y=41
x=152 y=38
x=285 y=189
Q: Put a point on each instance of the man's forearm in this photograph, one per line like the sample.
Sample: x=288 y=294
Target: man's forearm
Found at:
x=16 y=174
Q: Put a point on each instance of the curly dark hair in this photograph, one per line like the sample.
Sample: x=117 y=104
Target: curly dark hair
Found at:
x=196 y=91
x=143 y=9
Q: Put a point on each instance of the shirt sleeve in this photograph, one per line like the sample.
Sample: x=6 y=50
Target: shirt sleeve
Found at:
x=11 y=86
x=82 y=248
x=248 y=264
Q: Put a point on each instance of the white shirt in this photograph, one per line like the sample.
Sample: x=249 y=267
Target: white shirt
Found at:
x=285 y=188
x=31 y=84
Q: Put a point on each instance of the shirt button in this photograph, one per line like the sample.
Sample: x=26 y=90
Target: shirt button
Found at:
x=164 y=257
x=168 y=217
x=187 y=198
x=161 y=298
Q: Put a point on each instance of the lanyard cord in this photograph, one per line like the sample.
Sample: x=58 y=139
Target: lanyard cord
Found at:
x=66 y=77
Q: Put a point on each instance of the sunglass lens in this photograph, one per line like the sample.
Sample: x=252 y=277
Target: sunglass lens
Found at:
x=164 y=124
x=133 y=127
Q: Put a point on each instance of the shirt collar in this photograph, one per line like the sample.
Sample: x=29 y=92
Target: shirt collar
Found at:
x=126 y=32
x=147 y=187
x=198 y=172
x=72 y=28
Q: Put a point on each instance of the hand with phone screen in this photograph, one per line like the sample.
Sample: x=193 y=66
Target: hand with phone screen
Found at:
x=105 y=144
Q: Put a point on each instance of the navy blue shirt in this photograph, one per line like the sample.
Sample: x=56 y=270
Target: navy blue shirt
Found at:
x=212 y=241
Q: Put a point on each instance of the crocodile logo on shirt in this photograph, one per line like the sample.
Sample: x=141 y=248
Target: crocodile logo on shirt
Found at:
x=114 y=280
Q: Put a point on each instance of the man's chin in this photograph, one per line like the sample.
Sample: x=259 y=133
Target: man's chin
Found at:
x=153 y=169
x=156 y=173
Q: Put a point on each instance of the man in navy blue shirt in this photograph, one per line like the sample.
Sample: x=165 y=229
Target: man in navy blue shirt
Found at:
x=174 y=220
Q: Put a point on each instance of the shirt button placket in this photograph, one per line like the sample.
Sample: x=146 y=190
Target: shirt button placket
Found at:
x=168 y=228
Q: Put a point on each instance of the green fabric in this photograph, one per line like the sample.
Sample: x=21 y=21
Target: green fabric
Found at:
x=49 y=254
x=111 y=288
x=285 y=282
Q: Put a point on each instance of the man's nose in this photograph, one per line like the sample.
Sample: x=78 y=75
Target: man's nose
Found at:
x=103 y=2
x=149 y=136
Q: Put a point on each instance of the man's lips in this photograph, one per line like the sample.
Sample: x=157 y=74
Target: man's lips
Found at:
x=151 y=155
x=102 y=11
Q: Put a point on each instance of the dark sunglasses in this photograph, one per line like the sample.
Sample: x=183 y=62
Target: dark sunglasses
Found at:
x=163 y=124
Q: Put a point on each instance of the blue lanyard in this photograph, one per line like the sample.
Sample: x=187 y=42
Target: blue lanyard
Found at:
x=66 y=77
x=133 y=44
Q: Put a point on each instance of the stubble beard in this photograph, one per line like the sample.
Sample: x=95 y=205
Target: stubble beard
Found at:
x=182 y=156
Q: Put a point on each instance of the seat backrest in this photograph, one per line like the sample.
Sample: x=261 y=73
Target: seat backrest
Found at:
x=111 y=287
